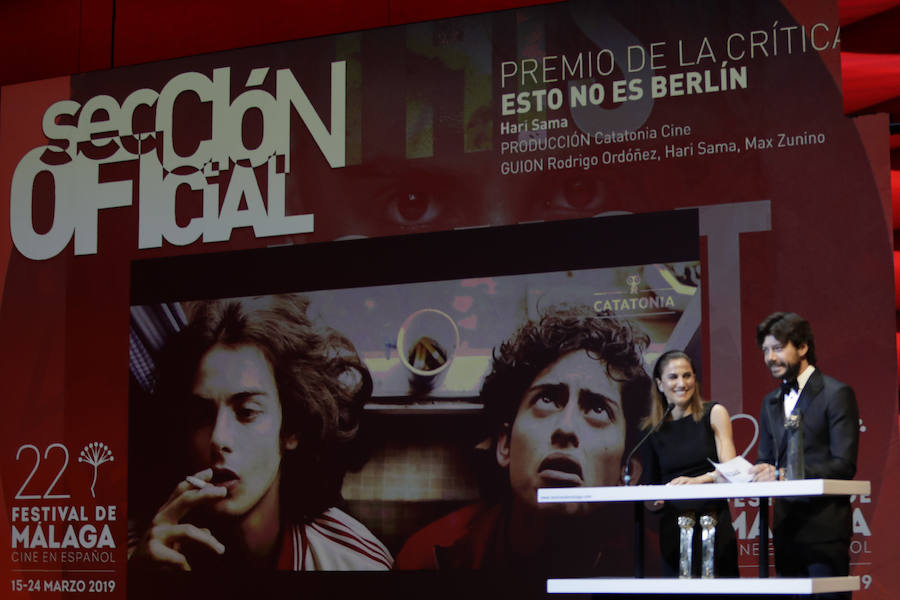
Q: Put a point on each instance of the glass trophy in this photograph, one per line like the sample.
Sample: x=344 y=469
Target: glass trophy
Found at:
x=794 y=466
x=686 y=525
x=708 y=546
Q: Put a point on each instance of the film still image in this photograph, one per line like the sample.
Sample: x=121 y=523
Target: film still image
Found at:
x=262 y=410
x=562 y=403
x=409 y=433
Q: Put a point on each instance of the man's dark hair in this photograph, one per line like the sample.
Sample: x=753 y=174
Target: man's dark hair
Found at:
x=616 y=345
x=322 y=386
x=788 y=327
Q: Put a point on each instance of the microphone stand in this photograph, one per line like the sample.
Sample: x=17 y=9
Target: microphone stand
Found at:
x=626 y=476
x=639 y=506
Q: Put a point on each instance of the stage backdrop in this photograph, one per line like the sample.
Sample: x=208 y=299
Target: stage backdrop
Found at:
x=134 y=192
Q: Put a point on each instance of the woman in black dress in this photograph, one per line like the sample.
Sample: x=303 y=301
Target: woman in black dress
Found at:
x=677 y=453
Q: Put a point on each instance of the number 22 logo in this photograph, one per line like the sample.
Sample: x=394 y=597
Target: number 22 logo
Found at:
x=21 y=495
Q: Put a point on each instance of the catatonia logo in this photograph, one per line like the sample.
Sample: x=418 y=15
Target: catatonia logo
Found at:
x=100 y=132
x=634 y=299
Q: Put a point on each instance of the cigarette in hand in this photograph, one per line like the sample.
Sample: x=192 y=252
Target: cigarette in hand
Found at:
x=197 y=483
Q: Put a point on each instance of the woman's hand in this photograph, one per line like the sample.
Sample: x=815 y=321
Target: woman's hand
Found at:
x=685 y=480
x=764 y=472
x=167 y=534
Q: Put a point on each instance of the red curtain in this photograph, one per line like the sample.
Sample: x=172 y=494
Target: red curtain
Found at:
x=870 y=71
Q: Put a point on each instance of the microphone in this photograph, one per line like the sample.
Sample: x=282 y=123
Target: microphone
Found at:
x=626 y=477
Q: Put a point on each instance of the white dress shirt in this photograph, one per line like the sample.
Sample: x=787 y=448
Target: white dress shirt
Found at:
x=790 y=399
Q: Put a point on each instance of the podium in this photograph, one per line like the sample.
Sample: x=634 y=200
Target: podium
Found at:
x=762 y=490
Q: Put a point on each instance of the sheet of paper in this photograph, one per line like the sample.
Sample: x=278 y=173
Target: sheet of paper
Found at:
x=736 y=470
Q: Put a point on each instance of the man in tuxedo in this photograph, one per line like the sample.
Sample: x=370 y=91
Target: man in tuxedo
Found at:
x=812 y=535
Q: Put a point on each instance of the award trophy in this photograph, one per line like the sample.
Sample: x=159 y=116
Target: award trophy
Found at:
x=708 y=545
x=794 y=467
x=686 y=524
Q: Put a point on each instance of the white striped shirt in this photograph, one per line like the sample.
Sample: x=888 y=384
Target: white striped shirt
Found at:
x=333 y=541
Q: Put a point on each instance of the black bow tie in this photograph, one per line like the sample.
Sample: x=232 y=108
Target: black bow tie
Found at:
x=788 y=386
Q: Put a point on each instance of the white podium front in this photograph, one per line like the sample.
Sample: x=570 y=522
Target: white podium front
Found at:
x=693 y=587
x=759 y=489
x=758 y=586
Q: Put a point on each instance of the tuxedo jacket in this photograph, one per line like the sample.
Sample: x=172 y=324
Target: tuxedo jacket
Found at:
x=830 y=422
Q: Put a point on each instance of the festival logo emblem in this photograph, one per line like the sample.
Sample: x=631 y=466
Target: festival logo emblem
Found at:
x=95 y=454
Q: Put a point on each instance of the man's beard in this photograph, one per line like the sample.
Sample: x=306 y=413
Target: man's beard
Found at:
x=791 y=371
